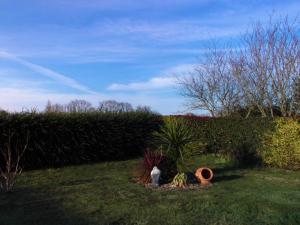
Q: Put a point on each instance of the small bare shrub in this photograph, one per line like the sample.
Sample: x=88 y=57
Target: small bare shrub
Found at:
x=11 y=155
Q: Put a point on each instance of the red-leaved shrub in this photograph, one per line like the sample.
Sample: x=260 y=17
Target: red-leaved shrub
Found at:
x=151 y=159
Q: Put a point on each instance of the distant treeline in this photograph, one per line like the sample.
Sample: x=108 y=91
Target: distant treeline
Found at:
x=80 y=106
x=85 y=106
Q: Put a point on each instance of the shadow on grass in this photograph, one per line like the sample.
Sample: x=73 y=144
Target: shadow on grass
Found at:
x=225 y=169
x=234 y=168
x=35 y=207
x=29 y=206
x=222 y=178
x=232 y=172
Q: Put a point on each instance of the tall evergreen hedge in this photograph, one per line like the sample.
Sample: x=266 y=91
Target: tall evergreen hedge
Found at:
x=59 y=139
x=255 y=140
x=235 y=137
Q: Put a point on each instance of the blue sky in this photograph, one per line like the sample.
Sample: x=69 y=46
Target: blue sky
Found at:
x=127 y=50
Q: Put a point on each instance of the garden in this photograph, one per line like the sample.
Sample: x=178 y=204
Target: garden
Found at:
x=144 y=168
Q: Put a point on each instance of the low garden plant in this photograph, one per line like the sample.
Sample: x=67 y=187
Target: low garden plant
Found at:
x=180 y=180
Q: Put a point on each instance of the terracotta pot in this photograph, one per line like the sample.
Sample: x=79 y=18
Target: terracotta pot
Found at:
x=204 y=175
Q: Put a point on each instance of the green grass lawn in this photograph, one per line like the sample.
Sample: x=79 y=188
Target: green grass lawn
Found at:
x=105 y=194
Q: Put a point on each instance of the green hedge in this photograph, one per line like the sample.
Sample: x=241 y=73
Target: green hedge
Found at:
x=273 y=142
x=236 y=138
x=59 y=139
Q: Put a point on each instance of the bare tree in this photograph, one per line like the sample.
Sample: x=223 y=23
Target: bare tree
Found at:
x=73 y=106
x=76 y=106
x=143 y=108
x=212 y=86
x=114 y=106
x=252 y=80
x=260 y=75
x=268 y=64
x=284 y=36
x=48 y=107
x=54 y=108
x=125 y=107
x=10 y=167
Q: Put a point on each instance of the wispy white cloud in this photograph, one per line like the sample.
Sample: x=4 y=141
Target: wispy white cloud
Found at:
x=176 y=31
x=179 y=70
x=153 y=83
x=167 y=79
x=61 y=78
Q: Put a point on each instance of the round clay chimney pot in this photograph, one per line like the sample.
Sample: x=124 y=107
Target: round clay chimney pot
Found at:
x=204 y=175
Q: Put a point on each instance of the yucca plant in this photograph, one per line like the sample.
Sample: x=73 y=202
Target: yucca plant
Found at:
x=177 y=141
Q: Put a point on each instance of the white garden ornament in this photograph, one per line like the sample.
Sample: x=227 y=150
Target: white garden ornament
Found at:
x=155 y=175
